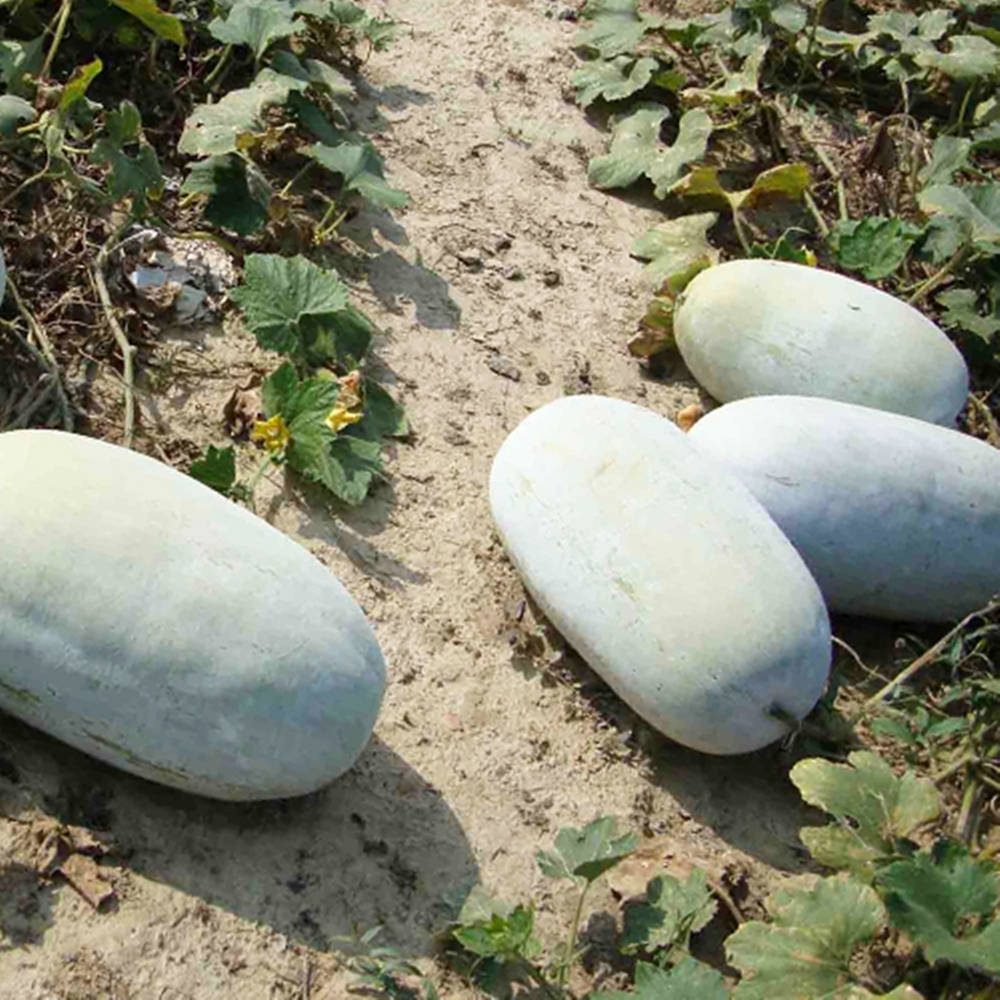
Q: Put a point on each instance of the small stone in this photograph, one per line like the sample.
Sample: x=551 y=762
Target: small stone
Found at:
x=470 y=258
x=502 y=365
x=513 y=274
x=543 y=378
x=567 y=14
x=552 y=278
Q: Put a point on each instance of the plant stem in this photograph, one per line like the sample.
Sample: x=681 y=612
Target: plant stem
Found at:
x=128 y=351
x=571 y=941
x=44 y=354
x=816 y=214
x=807 y=59
x=298 y=176
x=939 y=277
x=964 y=107
x=216 y=69
x=67 y=6
x=921 y=661
x=740 y=231
x=25 y=184
x=258 y=475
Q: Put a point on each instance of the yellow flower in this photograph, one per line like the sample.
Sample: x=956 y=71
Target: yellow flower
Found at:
x=340 y=417
x=273 y=433
x=810 y=258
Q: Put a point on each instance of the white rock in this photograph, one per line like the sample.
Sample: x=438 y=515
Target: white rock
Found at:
x=895 y=517
x=148 y=621
x=763 y=327
x=662 y=571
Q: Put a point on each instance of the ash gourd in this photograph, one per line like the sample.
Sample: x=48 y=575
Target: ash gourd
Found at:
x=662 y=571
x=896 y=518
x=763 y=327
x=155 y=625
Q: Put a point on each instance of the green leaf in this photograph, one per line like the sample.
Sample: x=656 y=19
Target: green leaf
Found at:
x=278 y=292
x=689 y=979
x=692 y=141
x=158 y=21
x=944 y=901
x=130 y=176
x=481 y=906
x=618 y=27
x=358 y=463
x=898 y=25
x=384 y=417
x=361 y=168
x=312 y=71
x=278 y=389
x=671 y=913
x=217 y=469
x=587 y=853
x=970 y=58
x=504 y=937
x=634 y=141
x=976 y=204
x=379 y=31
x=880 y=806
x=256 y=23
x=635 y=149
x=14 y=111
x=987 y=137
x=675 y=245
x=782 y=249
x=806 y=951
x=793 y=17
x=934 y=24
x=875 y=246
x=18 y=61
x=238 y=194
x=76 y=86
x=961 y=310
x=216 y=129
x=344 y=464
x=342 y=337
x=613 y=80
x=739 y=85
x=950 y=154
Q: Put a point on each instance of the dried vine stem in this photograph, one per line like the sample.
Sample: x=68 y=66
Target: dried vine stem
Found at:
x=128 y=351
x=43 y=354
x=921 y=661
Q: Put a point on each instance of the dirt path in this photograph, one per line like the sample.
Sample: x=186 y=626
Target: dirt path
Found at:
x=506 y=284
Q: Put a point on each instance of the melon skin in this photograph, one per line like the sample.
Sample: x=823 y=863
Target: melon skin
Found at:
x=662 y=571
x=896 y=518
x=763 y=327
x=151 y=623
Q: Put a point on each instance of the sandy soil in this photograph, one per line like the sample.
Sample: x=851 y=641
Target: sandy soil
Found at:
x=507 y=284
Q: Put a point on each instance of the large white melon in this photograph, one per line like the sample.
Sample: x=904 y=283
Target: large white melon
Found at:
x=895 y=517
x=662 y=571
x=764 y=327
x=148 y=621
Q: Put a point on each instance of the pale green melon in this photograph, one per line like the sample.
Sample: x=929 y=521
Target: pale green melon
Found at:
x=764 y=327
x=662 y=571
x=148 y=621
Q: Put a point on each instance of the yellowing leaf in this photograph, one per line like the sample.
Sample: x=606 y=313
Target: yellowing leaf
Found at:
x=880 y=806
x=158 y=21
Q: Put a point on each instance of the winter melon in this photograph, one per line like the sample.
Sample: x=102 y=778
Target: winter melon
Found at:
x=155 y=625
